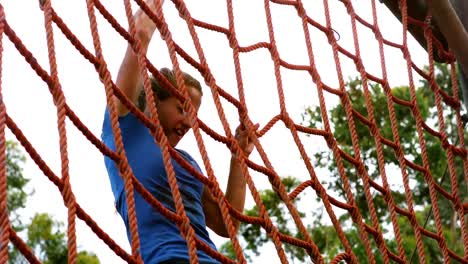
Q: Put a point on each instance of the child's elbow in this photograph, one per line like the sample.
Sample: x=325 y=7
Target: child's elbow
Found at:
x=222 y=229
x=224 y=234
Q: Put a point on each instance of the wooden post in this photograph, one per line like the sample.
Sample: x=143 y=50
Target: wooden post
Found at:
x=417 y=10
x=461 y=7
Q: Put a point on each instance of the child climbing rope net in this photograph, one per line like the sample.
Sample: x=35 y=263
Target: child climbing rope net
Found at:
x=149 y=111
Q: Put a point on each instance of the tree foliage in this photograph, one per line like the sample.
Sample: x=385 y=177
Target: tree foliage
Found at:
x=44 y=235
x=16 y=183
x=47 y=237
x=406 y=124
x=324 y=234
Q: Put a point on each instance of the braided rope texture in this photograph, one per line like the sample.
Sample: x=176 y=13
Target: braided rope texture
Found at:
x=367 y=225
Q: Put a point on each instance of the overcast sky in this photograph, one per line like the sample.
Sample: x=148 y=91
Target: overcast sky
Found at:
x=30 y=104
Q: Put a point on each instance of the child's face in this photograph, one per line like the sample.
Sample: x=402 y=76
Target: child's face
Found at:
x=172 y=117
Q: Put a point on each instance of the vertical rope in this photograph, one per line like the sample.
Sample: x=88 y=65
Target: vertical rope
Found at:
x=380 y=158
x=37 y=159
x=332 y=143
x=124 y=168
x=461 y=139
x=357 y=218
x=315 y=255
x=417 y=115
x=216 y=191
x=399 y=153
x=59 y=100
x=186 y=229
x=442 y=129
x=243 y=113
x=4 y=219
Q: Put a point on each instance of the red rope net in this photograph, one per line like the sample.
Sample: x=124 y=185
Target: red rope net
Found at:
x=369 y=229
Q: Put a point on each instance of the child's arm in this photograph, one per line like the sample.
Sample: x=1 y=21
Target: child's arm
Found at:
x=128 y=78
x=235 y=191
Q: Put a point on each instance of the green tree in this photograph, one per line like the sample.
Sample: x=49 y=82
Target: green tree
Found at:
x=407 y=132
x=324 y=234
x=16 y=194
x=44 y=235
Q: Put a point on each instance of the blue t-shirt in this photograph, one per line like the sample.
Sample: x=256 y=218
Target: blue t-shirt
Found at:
x=160 y=238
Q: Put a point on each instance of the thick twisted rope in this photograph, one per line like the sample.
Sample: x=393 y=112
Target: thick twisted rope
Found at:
x=59 y=100
x=124 y=167
x=4 y=219
x=372 y=230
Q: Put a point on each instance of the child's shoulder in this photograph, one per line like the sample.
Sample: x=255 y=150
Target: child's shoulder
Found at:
x=185 y=154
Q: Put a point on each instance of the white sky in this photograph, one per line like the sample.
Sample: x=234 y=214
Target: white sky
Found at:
x=29 y=102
